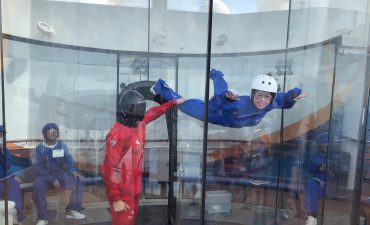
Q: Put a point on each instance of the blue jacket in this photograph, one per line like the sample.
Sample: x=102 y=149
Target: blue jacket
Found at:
x=2 y=162
x=316 y=160
x=243 y=113
x=45 y=164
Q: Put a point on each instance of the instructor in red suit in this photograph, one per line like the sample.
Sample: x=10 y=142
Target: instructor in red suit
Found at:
x=122 y=166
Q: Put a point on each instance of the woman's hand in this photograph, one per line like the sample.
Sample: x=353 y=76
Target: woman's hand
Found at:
x=180 y=100
x=300 y=96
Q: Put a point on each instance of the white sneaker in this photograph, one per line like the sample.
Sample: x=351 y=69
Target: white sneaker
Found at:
x=285 y=215
x=75 y=215
x=42 y=222
x=311 y=221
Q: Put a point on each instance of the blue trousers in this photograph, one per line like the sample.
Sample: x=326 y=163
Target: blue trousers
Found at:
x=67 y=181
x=195 y=107
x=313 y=192
x=14 y=194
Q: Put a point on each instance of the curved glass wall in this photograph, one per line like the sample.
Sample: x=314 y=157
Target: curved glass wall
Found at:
x=295 y=165
x=337 y=202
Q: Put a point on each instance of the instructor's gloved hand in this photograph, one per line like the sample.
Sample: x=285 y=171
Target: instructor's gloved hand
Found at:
x=120 y=206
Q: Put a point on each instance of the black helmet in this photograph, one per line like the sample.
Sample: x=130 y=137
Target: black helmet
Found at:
x=132 y=104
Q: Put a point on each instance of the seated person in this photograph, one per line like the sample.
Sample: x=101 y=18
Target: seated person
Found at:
x=14 y=192
x=229 y=110
x=50 y=159
x=321 y=174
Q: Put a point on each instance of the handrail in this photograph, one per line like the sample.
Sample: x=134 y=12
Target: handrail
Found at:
x=161 y=54
x=86 y=140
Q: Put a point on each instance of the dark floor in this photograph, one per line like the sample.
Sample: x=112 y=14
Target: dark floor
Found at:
x=99 y=223
x=189 y=214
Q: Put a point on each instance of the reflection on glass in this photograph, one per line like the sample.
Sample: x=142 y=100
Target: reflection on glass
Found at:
x=9 y=183
x=219 y=6
x=55 y=166
x=256 y=174
x=76 y=90
x=228 y=109
x=126 y=3
x=365 y=196
x=123 y=162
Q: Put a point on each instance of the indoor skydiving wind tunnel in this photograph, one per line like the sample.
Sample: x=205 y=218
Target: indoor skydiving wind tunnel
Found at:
x=65 y=73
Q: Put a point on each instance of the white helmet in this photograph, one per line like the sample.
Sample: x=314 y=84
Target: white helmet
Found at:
x=265 y=83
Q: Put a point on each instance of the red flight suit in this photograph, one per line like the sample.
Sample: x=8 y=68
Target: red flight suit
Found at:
x=122 y=166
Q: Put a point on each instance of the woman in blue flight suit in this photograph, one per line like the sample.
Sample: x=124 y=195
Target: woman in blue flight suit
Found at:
x=320 y=172
x=229 y=110
x=14 y=192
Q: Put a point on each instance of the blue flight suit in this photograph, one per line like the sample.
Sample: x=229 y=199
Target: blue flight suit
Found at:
x=221 y=111
x=314 y=187
x=14 y=192
x=49 y=167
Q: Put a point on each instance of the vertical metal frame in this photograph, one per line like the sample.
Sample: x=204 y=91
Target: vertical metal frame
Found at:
x=361 y=142
x=171 y=118
x=279 y=191
x=330 y=147
x=3 y=152
x=206 y=100
x=118 y=83
x=173 y=126
x=279 y=198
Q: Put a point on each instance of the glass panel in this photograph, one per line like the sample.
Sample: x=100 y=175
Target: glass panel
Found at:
x=171 y=32
x=75 y=90
x=329 y=189
x=304 y=152
x=243 y=162
x=191 y=83
x=290 y=166
x=365 y=195
x=220 y=6
x=133 y=68
x=156 y=184
x=9 y=175
x=126 y=3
